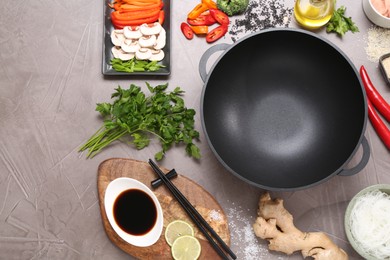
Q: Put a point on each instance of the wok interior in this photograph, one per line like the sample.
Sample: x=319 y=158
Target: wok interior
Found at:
x=283 y=109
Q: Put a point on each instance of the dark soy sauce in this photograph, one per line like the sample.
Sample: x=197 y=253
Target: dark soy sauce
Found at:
x=135 y=212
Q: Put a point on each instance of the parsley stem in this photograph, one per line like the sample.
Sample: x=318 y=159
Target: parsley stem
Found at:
x=154 y=133
x=105 y=139
x=91 y=139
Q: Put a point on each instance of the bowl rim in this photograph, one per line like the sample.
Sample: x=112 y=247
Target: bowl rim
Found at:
x=374 y=16
x=113 y=190
x=382 y=187
x=376 y=11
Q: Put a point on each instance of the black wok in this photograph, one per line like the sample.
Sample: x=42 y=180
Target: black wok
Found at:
x=284 y=109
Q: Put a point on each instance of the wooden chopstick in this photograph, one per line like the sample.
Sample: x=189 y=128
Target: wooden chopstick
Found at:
x=195 y=215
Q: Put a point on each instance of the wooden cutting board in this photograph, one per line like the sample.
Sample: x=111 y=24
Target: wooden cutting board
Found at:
x=203 y=201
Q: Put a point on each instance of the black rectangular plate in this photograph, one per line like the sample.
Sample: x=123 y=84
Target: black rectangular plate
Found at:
x=107 y=44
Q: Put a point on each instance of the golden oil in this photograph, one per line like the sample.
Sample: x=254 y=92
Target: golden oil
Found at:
x=313 y=14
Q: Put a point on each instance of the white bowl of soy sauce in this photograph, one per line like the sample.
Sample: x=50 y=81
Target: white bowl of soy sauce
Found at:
x=133 y=211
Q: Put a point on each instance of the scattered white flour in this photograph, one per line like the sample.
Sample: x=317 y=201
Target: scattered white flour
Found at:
x=243 y=236
x=215 y=215
x=378 y=43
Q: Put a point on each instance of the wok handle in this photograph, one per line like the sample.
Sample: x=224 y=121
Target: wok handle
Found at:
x=363 y=162
x=205 y=57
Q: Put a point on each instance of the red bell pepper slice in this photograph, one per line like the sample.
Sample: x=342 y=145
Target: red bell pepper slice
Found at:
x=220 y=16
x=187 y=31
x=216 y=33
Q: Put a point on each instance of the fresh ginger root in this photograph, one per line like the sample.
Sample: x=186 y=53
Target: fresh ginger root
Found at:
x=275 y=224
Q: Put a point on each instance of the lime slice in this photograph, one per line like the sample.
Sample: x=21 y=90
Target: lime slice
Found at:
x=176 y=229
x=186 y=248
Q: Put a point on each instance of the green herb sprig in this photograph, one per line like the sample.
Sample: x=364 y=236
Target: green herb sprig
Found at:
x=341 y=24
x=135 y=65
x=133 y=114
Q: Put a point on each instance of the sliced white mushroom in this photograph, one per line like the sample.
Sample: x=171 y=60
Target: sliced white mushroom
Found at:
x=132 y=32
x=162 y=32
x=116 y=50
x=126 y=55
x=118 y=53
x=117 y=37
x=150 y=29
x=130 y=46
x=143 y=54
x=147 y=41
x=157 y=55
x=161 y=40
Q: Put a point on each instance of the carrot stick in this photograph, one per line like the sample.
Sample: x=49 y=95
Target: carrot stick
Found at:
x=129 y=7
x=135 y=15
x=119 y=24
x=141 y=3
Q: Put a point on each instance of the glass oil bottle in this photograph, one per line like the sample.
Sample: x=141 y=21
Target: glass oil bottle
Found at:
x=313 y=14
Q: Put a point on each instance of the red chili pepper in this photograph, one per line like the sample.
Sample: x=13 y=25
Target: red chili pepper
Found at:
x=379 y=126
x=187 y=31
x=220 y=16
x=216 y=33
x=373 y=95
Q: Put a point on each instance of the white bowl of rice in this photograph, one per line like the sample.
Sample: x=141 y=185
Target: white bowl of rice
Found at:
x=367 y=222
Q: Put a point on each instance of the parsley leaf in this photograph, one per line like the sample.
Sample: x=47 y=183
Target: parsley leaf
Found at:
x=133 y=114
x=341 y=24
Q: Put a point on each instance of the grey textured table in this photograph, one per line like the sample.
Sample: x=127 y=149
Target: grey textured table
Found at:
x=50 y=81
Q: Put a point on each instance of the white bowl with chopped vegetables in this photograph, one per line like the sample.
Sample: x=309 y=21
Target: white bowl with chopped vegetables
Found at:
x=367 y=222
x=378 y=12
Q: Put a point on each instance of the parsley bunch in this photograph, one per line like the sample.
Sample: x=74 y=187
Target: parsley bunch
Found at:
x=133 y=114
x=341 y=24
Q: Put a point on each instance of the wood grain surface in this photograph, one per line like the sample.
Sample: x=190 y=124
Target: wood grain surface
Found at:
x=203 y=201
